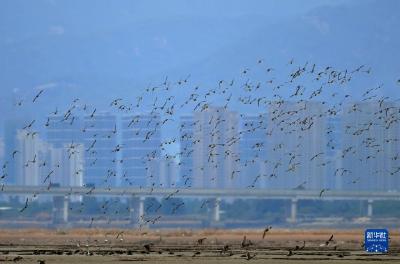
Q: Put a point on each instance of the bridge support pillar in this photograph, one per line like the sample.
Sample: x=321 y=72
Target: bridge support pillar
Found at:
x=293 y=211
x=60 y=209
x=214 y=210
x=217 y=210
x=137 y=211
x=370 y=208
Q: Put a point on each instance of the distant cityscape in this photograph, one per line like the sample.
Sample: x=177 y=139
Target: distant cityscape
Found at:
x=293 y=145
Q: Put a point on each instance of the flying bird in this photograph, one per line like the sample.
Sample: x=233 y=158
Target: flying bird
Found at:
x=25 y=206
x=37 y=95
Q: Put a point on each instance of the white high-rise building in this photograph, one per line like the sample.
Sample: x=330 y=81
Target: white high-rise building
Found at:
x=39 y=163
x=297 y=145
x=102 y=150
x=61 y=131
x=215 y=148
x=371 y=144
x=168 y=173
x=68 y=164
x=141 y=140
x=253 y=152
x=333 y=152
x=187 y=142
x=32 y=159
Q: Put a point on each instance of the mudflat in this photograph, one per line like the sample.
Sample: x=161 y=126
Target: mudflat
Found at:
x=190 y=246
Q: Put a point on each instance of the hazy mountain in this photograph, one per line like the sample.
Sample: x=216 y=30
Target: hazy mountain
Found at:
x=89 y=48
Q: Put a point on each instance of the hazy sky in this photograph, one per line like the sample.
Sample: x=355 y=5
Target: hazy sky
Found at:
x=100 y=50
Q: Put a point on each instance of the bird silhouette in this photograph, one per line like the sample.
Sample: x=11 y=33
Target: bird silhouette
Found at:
x=265 y=231
x=329 y=240
x=25 y=206
x=201 y=240
x=37 y=95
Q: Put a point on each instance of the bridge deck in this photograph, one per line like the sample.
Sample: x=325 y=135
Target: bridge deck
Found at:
x=206 y=193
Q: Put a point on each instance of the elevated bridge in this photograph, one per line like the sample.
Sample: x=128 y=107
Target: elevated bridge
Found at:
x=138 y=195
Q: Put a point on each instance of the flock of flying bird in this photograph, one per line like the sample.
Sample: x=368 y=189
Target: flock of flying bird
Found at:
x=293 y=104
